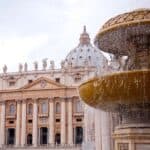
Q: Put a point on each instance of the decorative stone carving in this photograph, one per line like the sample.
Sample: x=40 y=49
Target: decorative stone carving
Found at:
x=43 y=83
x=114 y=64
x=118 y=63
x=5 y=69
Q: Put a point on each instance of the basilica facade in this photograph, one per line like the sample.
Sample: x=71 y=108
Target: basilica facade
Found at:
x=41 y=107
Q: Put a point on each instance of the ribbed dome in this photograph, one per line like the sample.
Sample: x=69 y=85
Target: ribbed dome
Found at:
x=85 y=54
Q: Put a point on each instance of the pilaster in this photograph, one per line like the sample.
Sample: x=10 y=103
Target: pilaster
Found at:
x=63 y=121
x=23 y=129
x=35 y=123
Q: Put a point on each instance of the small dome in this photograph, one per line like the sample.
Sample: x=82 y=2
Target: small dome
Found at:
x=85 y=54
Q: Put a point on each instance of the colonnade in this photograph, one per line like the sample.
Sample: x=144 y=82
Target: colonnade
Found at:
x=21 y=123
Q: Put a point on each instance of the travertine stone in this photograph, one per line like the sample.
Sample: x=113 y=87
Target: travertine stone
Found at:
x=35 y=121
x=2 y=124
x=23 y=128
x=51 y=121
x=70 y=129
x=18 y=123
x=63 y=121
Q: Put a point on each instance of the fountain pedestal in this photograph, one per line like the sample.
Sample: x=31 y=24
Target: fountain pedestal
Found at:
x=133 y=133
x=136 y=138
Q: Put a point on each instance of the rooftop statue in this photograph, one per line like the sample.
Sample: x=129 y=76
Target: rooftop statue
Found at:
x=25 y=67
x=20 y=67
x=52 y=64
x=44 y=61
x=4 y=69
x=35 y=65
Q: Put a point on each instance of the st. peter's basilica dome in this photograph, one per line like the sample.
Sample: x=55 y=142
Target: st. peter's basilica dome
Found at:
x=85 y=54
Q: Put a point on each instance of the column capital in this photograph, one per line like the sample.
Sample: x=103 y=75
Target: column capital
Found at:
x=18 y=101
x=51 y=99
x=70 y=98
x=2 y=102
x=63 y=98
x=39 y=98
x=24 y=101
x=35 y=100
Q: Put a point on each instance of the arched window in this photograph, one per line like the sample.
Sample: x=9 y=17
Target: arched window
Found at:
x=57 y=107
x=12 y=109
x=44 y=108
x=78 y=106
x=30 y=109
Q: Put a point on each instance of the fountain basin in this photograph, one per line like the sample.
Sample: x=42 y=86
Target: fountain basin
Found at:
x=110 y=91
x=125 y=33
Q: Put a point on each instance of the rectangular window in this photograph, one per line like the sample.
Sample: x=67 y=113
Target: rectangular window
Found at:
x=30 y=81
x=77 y=79
x=57 y=120
x=12 y=83
x=11 y=122
x=29 y=121
x=57 y=80
x=78 y=119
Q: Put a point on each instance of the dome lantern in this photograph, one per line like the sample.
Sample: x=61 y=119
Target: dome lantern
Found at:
x=84 y=37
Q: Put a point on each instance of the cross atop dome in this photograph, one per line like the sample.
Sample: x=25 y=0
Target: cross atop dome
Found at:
x=84 y=37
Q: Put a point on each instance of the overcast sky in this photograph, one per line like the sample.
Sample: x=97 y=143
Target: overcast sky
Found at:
x=31 y=30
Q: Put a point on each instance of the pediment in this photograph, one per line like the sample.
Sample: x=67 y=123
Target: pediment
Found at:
x=43 y=83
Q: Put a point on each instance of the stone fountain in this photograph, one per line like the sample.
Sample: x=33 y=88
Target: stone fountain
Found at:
x=126 y=92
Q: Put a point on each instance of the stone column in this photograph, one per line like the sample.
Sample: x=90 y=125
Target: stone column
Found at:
x=63 y=121
x=70 y=129
x=85 y=124
x=18 y=123
x=35 y=123
x=23 y=128
x=106 y=130
x=2 y=124
x=102 y=130
x=98 y=137
x=51 y=121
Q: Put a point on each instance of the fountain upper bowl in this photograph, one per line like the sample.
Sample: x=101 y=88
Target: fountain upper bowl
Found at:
x=109 y=91
x=126 y=32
